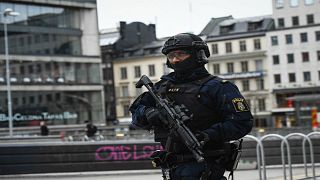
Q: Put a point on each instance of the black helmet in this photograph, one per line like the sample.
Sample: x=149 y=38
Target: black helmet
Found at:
x=189 y=42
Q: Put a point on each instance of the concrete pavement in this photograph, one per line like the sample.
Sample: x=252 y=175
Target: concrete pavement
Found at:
x=273 y=173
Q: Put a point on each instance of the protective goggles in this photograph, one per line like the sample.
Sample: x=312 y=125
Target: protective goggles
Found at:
x=179 y=54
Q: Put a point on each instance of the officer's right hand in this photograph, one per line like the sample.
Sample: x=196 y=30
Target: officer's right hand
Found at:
x=202 y=137
x=154 y=116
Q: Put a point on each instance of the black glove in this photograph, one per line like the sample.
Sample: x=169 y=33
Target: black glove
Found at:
x=155 y=117
x=202 y=137
x=163 y=159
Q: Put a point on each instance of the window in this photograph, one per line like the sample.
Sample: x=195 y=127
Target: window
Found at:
x=228 y=47
x=24 y=100
x=276 y=59
x=290 y=58
x=306 y=76
x=294 y=3
x=319 y=75
x=58 y=96
x=318 y=55
x=310 y=19
x=216 y=68
x=244 y=66
x=274 y=40
x=261 y=104
x=245 y=85
x=252 y=26
x=230 y=67
x=304 y=37
x=21 y=41
x=137 y=71
x=30 y=68
x=243 y=46
x=295 y=21
x=279 y=4
x=40 y=99
x=31 y=99
x=305 y=57
x=259 y=65
x=260 y=84
x=308 y=2
x=214 y=48
x=280 y=22
x=22 y=71
x=292 y=77
x=257 y=44
x=277 y=78
x=152 y=71
x=288 y=38
x=126 y=111
x=317 y=35
x=226 y=29
x=123 y=72
x=14 y=101
x=125 y=91
x=49 y=98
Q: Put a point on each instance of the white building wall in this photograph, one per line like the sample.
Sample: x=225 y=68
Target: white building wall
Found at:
x=130 y=81
x=236 y=57
x=298 y=67
x=302 y=10
x=296 y=48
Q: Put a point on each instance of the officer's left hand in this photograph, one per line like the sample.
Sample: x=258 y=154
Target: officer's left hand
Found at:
x=155 y=117
x=202 y=137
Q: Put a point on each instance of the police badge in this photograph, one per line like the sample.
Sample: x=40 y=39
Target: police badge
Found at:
x=240 y=104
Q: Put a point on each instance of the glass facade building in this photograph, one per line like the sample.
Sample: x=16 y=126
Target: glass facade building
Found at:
x=42 y=30
x=55 y=74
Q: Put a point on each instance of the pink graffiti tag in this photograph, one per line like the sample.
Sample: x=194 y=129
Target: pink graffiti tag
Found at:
x=123 y=153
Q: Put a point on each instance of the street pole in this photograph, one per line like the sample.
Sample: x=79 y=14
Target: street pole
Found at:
x=8 y=12
x=8 y=78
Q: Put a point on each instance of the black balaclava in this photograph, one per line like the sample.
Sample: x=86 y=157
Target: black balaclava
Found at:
x=188 y=64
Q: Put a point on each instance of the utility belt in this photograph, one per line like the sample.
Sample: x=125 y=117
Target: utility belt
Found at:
x=213 y=154
x=231 y=153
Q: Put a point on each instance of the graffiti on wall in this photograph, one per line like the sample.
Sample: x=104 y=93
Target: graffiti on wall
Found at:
x=126 y=152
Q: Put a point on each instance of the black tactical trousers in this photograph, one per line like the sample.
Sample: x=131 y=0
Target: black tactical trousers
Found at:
x=211 y=170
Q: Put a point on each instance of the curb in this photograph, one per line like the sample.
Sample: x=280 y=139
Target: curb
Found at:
x=87 y=173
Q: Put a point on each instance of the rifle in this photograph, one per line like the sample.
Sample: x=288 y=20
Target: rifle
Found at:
x=175 y=120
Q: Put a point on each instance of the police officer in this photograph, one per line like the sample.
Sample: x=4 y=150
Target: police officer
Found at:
x=218 y=110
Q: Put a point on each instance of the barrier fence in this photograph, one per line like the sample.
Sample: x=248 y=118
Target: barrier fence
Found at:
x=119 y=153
x=261 y=164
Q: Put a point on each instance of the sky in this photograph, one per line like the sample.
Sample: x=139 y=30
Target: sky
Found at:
x=176 y=16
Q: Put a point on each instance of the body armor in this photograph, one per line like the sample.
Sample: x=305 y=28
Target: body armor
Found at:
x=188 y=94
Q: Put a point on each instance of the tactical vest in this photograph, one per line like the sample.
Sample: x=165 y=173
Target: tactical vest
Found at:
x=189 y=94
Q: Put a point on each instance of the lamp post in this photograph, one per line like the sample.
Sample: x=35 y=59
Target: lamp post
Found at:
x=8 y=12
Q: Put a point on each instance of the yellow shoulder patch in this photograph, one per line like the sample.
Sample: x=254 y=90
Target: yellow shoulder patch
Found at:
x=240 y=104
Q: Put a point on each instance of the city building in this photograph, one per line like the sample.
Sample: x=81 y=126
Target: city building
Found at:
x=239 y=54
x=135 y=52
x=55 y=63
x=294 y=61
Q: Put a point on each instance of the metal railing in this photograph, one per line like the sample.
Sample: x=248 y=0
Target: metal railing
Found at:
x=285 y=143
